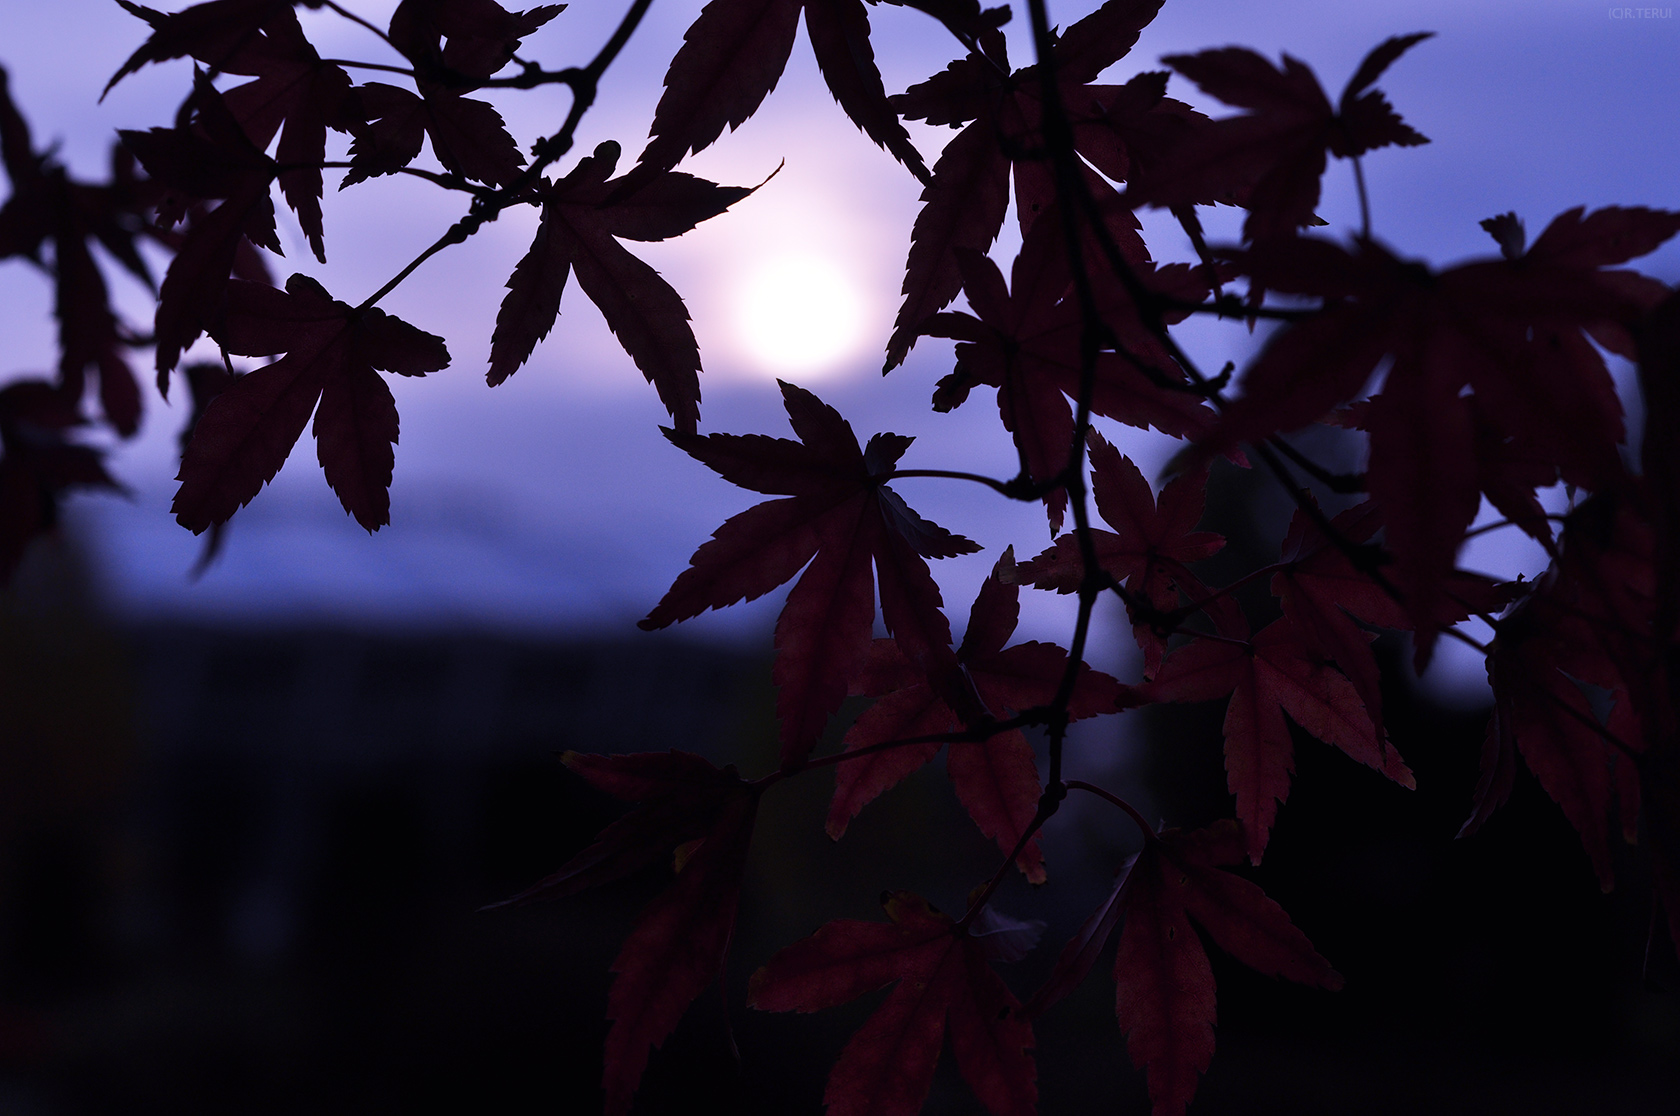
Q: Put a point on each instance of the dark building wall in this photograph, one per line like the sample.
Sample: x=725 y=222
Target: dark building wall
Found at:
x=241 y=871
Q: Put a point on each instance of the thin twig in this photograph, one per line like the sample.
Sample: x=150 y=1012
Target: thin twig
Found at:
x=486 y=207
x=1343 y=484
x=1142 y=822
x=406 y=71
x=446 y=181
x=1046 y=806
x=354 y=18
x=1010 y=488
x=1501 y=523
x=1248 y=578
x=971 y=735
x=1364 y=202
x=1604 y=733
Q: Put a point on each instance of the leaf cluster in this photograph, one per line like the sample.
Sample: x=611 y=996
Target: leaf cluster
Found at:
x=1483 y=381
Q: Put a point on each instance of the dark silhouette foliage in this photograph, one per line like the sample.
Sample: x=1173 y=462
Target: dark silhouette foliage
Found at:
x=1484 y=380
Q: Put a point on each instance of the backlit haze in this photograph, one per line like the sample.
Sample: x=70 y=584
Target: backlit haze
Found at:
x=552 y=502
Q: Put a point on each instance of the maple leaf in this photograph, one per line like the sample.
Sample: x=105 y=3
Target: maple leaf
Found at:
x=211 y=32
x=996 y=779
x=46 y=204
x=705 y=816
x=1274 y=673
x=38 y=463
x=294 y=86
x=581 y=216
x=1659 y=387
x=839 y=516
x=205 y=381
x=1273 y=157
x=965 y=19
x=481 y=36
x=1319 y=588
x=1025 y=342
x=295 y=89
x=944 y=983
x=1659 y=778
x=1164 y=988
x=732 y=57
x=1511 y=331
x=1000 y=111
x=1147 y=550
x=1584 y=623
x=468 y=136
x=332 y=352
x=207 y=156
x=1541 y=712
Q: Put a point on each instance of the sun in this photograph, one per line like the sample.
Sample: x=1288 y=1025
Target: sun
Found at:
x=799 y=313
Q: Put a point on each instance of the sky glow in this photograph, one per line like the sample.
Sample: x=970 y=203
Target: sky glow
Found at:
x=799 y=314
x=552 y=501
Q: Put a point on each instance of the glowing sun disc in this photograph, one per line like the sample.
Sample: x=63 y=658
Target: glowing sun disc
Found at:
x=799 y=313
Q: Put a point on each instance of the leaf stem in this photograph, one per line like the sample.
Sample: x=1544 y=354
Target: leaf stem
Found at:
x=1010 y=488
x=1466 y=639
x=962 y=736
x=446 y=181
x=1608 y=737
x=1364 y=202
x=486 y=207
x=1217 y=637
x=354 y=18
x=1343 y=484
x=1142 y=822
x=1059 y=143
x=1246 y=579
x=1046 y=807
x=406 y=71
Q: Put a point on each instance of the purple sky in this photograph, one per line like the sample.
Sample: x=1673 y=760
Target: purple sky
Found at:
x=551 y=503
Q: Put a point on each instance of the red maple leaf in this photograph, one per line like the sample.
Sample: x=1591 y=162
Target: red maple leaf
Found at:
x=1541 y=712
x=996 y=778
x=1321 y=590
x=211 y=32
x=705 y=817
x=965 y=19
x=999 y=111
x=463 y=42
x=1509 y=330
x=294 y=86
x=1164 y=989
x=1272 y=158
x=296 y=91
x=468 y=136
x=1659 y=378
x=332 y=354
x=1584 y=624
x=205 y=381
x=1274 y=673
x=944 y=983
x=38 y=462
x=1147 y=550
x=732 y=57
x=1025 y=342
x=581 y=216
x=1658 y=354
x=206 y=157
x=47 y=204
x=839 y=516
x=453 y=47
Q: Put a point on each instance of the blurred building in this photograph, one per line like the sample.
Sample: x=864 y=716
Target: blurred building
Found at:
x=241 y=871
